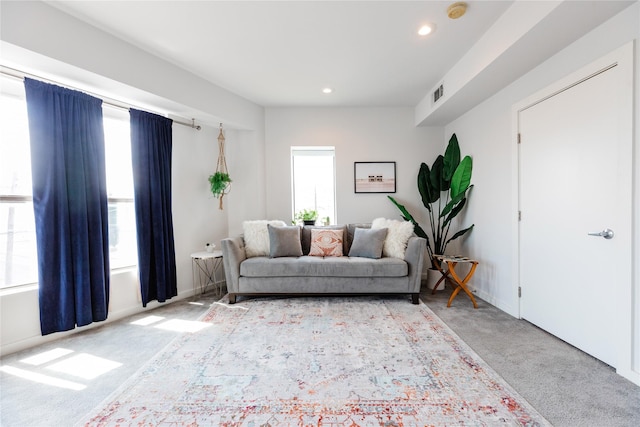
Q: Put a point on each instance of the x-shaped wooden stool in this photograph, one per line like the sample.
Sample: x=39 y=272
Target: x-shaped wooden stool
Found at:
x=461 y=284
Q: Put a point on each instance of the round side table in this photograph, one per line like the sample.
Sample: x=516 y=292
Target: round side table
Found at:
x=206 y=267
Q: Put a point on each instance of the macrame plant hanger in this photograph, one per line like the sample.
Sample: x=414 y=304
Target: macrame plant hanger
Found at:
x=220 y=182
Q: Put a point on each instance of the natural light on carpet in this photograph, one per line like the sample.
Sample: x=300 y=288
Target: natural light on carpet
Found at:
x=145 y=321
x=46 y=356
x=42 y=379
x=85 y=366
x=183 y=325
x=234 y=306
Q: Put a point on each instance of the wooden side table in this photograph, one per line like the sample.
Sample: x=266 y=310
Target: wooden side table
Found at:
x=460 y=284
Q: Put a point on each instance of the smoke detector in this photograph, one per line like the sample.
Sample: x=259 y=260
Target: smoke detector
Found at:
x=456 y=10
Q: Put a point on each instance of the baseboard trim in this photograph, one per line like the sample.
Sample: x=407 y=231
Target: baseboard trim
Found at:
x=631 y=375
x=491 y=299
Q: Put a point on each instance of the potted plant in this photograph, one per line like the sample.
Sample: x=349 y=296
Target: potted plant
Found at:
x=219 y=182
x=308 y=217
x=443 y=189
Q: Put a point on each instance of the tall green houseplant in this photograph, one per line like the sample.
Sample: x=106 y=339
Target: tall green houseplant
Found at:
x=443 y=189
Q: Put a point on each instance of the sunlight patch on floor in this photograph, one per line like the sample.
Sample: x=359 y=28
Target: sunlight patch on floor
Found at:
x=46 y=356
x=145 y=321
x=85 y=366
x=178 y=325
x=42 y=379
x=232 y=306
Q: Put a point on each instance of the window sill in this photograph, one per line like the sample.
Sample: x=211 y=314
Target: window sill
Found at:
x=124 y=269
x=19 y=289
x=28 y=287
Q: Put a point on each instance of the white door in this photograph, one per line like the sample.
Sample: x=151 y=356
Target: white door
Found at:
x=575 y=179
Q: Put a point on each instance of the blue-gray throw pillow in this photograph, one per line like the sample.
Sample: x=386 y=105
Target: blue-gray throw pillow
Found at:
x=368 y=243
x=284 y=241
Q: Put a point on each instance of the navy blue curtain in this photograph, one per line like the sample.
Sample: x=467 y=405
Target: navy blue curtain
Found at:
x=70 y=205
x=151 y=144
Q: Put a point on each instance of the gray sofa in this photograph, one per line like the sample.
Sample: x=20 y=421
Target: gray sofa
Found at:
x=313 y=275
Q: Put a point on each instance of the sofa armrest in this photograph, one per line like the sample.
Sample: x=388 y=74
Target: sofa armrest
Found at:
x=233 y=254
x=414 y=256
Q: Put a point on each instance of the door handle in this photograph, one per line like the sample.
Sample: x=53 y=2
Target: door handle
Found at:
x=606 y=233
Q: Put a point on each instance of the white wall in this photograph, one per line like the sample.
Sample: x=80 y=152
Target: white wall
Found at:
x=490 y=128
x=196 y=217
x=58 y=51
x=246 y=162
x=358 y=134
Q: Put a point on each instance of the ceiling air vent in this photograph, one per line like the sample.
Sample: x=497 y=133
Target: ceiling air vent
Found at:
x=438 y=94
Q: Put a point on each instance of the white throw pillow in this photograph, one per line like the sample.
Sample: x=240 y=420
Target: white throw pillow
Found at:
x=395 y=244
x=256 y=236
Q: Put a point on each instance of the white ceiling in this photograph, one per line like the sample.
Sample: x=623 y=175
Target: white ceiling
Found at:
x=283 y=53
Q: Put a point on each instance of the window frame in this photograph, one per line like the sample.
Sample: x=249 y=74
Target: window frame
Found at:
x=323 y=151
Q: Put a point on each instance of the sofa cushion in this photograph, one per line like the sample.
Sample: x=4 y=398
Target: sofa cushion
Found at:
x=368 y=243
x=284 y=241
x=306 y=237
x=395 y=244
x=256 y=236
x=351 y=229
x=311 y=266
x=326 y=242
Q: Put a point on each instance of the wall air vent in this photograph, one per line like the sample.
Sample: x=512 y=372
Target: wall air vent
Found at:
x=438 y=94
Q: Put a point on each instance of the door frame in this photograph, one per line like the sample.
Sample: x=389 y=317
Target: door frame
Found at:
x=623 y=324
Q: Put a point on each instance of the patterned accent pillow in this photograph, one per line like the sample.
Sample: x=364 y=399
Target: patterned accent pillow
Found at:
x=306 y=237
x=326 y=242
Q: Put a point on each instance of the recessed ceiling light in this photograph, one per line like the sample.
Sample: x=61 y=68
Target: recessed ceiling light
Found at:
x=424 y=30
x=327 y=90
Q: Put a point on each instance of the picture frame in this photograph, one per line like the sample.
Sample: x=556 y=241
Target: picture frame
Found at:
x=374 y=177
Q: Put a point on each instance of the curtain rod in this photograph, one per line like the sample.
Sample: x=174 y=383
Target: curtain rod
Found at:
x=12 y=72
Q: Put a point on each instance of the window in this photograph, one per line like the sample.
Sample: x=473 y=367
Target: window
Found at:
x=18 y=255
x=313 y=178
x=18 y=262
x=122 y=220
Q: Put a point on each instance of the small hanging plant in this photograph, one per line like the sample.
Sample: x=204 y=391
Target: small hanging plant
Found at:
x=219 y=182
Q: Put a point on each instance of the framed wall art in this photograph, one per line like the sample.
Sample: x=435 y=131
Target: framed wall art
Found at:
x=374 y=177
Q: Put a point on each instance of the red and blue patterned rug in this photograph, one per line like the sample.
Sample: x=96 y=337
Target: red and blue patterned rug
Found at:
x=362 y=361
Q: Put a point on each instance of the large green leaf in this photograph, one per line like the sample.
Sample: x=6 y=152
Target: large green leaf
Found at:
x=461 y=177
x=405 y=213
x=455 y=211
x=408 y=217
x=451 y=158
x=420 y=231
x=436 y=177
x=452 y=203
x=425 y=188
x=461 y=233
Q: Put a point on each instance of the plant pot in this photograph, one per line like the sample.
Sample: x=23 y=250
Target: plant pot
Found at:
x=432 y=278
x=309 y=222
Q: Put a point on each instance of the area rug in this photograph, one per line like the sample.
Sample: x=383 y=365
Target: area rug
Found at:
x=361 y=361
